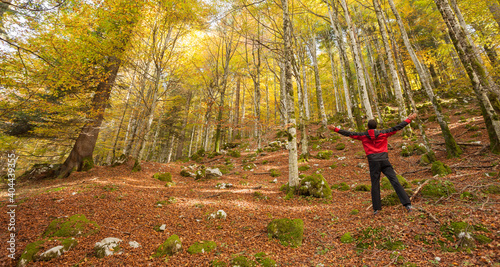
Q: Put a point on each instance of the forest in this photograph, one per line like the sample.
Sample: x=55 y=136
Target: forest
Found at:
x=196 y=132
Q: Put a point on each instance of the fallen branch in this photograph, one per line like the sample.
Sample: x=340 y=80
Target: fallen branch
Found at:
x=461 y=144
x=261 y=173
x=472 y=167
x=257 y=187
x=418 y=189
x=433 y=218
x=216 y=195
x=424 y=169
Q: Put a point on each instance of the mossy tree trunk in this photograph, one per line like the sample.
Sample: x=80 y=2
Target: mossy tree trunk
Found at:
x=475 y=71
x=180 y=145
x=452 y=149
x=319 y=91
x=293 y=178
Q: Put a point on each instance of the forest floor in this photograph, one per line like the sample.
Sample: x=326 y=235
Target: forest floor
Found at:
x=123 y=204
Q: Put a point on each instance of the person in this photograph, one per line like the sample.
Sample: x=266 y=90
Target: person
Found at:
x=375 y=145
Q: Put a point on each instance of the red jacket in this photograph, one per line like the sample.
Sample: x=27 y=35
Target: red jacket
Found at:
x=374 y=141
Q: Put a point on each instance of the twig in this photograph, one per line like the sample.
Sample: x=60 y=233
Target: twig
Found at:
x=482 y=206
x=216 y=195
x=429 y=214
x=472 y=167
x=257 y=187
x=418 y=189
x=424 y=169
x=261 y=173
x=127 y=233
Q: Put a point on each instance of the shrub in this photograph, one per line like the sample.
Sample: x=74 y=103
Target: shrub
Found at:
x=274 y=172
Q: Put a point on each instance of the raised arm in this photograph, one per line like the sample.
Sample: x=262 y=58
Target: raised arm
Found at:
x=401 y=125
x=353 y=135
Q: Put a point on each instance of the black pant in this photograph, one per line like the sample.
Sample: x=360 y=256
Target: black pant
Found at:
x=385 y=166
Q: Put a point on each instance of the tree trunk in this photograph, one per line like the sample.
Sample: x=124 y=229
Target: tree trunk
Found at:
x=475 y=70
x=334 y=80
x=193 y=131
x=80 y=157
x=237 y=106
x=343 y=64
x=319 y=92
x=494 y=8
x=452 y=149
x=180 y=145
x=117 y=135
x=390 y=59
x=293 y=173
x=357 y=61
x=283 y=101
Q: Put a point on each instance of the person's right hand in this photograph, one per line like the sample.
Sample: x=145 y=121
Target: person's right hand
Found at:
x=330 y=127
x=412 y=116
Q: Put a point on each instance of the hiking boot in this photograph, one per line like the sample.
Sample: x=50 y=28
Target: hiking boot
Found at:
x=409 y=208
x=375 y=212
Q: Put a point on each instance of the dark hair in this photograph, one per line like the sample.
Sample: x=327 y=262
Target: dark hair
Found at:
x=372 y=124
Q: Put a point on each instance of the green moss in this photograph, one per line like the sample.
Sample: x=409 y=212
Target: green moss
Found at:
x=386 y=184
x=171 y=246
x=342 y=186
x=268 y=262
x=31 y=250
x=165 y=176
x=304 y=168
x=137 y=166
x=437 y=189
x=482 y=239
x=249 y=166
x=73 y=226
x=274 y=172
x=363 y=188
x=217 y=263
x=439 y=168
x=288 y=232
x=467 y=196
x=333 y=166
x=202 y=247
x=340 y=146
x=258 y=195
x=200 y=174
x=390 y=200
x=185 y=173
x=234 y=153
x=347 y=238
x=354 y=212
x=87 y=164
x=69 y=243
x=242 y=261
x=326 y=154
x=493 y=189
x=406 y=151
x=315 y=185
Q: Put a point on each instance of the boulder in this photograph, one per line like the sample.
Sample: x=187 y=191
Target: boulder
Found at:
x=134 y=244
x=108 y=246
x=212 y=173
x=171 y=246
x=288 y=232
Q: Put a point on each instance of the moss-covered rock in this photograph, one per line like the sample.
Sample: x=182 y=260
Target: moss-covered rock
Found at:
x=439 y=168
x=137 y=166
x=163 y=176
x=304 y=168
x=217 y=263
x=202 y=247
x=340 y=146
x=171 y=246
x=347 y=238
x=288 y=232
x=341 y=186
x=275 y=172
x=363 y=188
x=29 y=252
x=107 y=247
x=427 y=158
x=76 y=225
x=315 y=185
x=326 y=154
x=249 y=166
x=186 y=173
x=406 y=151
x=87 y=164
x=200 y=174
x=437 y=189
x=242 y=261
x=264 y=261
x=234 y=153
x=386 y=184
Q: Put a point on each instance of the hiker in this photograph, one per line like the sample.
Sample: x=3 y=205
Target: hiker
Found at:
x=375 y=145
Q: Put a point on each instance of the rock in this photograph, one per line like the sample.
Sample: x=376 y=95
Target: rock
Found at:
x=223 y=185
x=437 y=189
x=220 y=214
x=171 y=246
x=73 y=226
x=288 y=232
x=163 y=227
x=202 y=247
x=361 y=165
x=185 y=173
x=212 y=173
x=51 y=253
x=134 y=244
x=163 y=176
x=315 y=185
x=274 y=181
x=439 y=168
x=108 y=246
